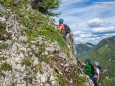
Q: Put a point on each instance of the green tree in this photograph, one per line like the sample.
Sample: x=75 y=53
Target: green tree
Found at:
x=46 y=7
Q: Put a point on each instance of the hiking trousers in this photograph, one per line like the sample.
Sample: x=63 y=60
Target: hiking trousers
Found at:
x=64 y=35
x=95 y=82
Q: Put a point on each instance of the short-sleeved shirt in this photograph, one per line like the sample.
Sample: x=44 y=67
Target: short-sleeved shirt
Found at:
x=62 y=27
x=96 y=72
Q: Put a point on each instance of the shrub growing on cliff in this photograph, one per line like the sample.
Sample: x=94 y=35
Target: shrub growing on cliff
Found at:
x=26 y=61
x=5 y=66
x=46 y=6
x=60 y=80
x=81 y=80
x=3 y=46
x=2 y=28
x=1 y=1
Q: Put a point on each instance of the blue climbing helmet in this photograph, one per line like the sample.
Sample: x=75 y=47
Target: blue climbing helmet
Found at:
x=87 y=60
x=61 y=20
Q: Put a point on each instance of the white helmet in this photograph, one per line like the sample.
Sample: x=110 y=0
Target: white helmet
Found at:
x=96 y=63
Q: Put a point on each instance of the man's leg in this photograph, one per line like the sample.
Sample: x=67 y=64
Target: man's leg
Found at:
x=95 y=82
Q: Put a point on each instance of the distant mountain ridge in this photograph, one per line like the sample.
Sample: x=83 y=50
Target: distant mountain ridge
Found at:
x=108 y=41
x=106 y=48
x=84 y=47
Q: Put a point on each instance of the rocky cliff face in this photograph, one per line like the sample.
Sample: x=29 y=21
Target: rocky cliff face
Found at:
x=33 y=53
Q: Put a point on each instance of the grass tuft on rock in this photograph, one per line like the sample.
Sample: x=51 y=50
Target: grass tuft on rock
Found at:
x=3 y=46
x=5 y=66
x=26 y=61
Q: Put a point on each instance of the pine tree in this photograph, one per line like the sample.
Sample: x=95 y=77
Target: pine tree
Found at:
x=46 y=6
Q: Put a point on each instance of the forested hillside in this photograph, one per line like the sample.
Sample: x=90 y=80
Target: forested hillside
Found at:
x=82 y=49
x=104 y=53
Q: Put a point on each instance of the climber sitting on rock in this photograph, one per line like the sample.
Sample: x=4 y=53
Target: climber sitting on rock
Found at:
x=88 y=68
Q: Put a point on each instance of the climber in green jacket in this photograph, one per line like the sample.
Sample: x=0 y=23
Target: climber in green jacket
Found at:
x=87 y=65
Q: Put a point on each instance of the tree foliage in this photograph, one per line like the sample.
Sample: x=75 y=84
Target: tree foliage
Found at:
x=46 y=6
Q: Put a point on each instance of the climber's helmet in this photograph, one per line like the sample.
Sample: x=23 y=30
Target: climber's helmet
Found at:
x=87 y=60
x=61 y=20
x=96 y=63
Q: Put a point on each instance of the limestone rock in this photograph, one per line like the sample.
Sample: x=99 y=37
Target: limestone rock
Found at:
x=35 y=61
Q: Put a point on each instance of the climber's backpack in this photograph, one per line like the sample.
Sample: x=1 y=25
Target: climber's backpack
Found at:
x=92 y=69
x=67 y=29
x=100 y=72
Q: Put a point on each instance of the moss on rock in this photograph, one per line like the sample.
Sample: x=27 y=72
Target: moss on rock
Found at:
x=5 y=66
x=2 y=29
x=26 y=61
x=3 y=46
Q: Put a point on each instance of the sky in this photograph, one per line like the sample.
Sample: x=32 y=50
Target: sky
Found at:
x=89 y=20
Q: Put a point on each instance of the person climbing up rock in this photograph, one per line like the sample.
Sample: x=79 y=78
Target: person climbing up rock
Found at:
x=87 y=65
x=62 y=28
x=96 y=76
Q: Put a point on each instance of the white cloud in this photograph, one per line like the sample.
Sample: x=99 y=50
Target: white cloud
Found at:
x=91 y=9
x=86 y=35
x=103 y=29
x=67 y=4
x=96 y=22
x=77 y=32
x=82 y=37
x=83 y=34
x=69 y=1
x=80 y=40
x=86 y=40
x=95 y=36
x=110 y=3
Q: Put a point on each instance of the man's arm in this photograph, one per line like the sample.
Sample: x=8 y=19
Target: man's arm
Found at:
x=60 y=27
x=82 y=63
x=98 y=75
